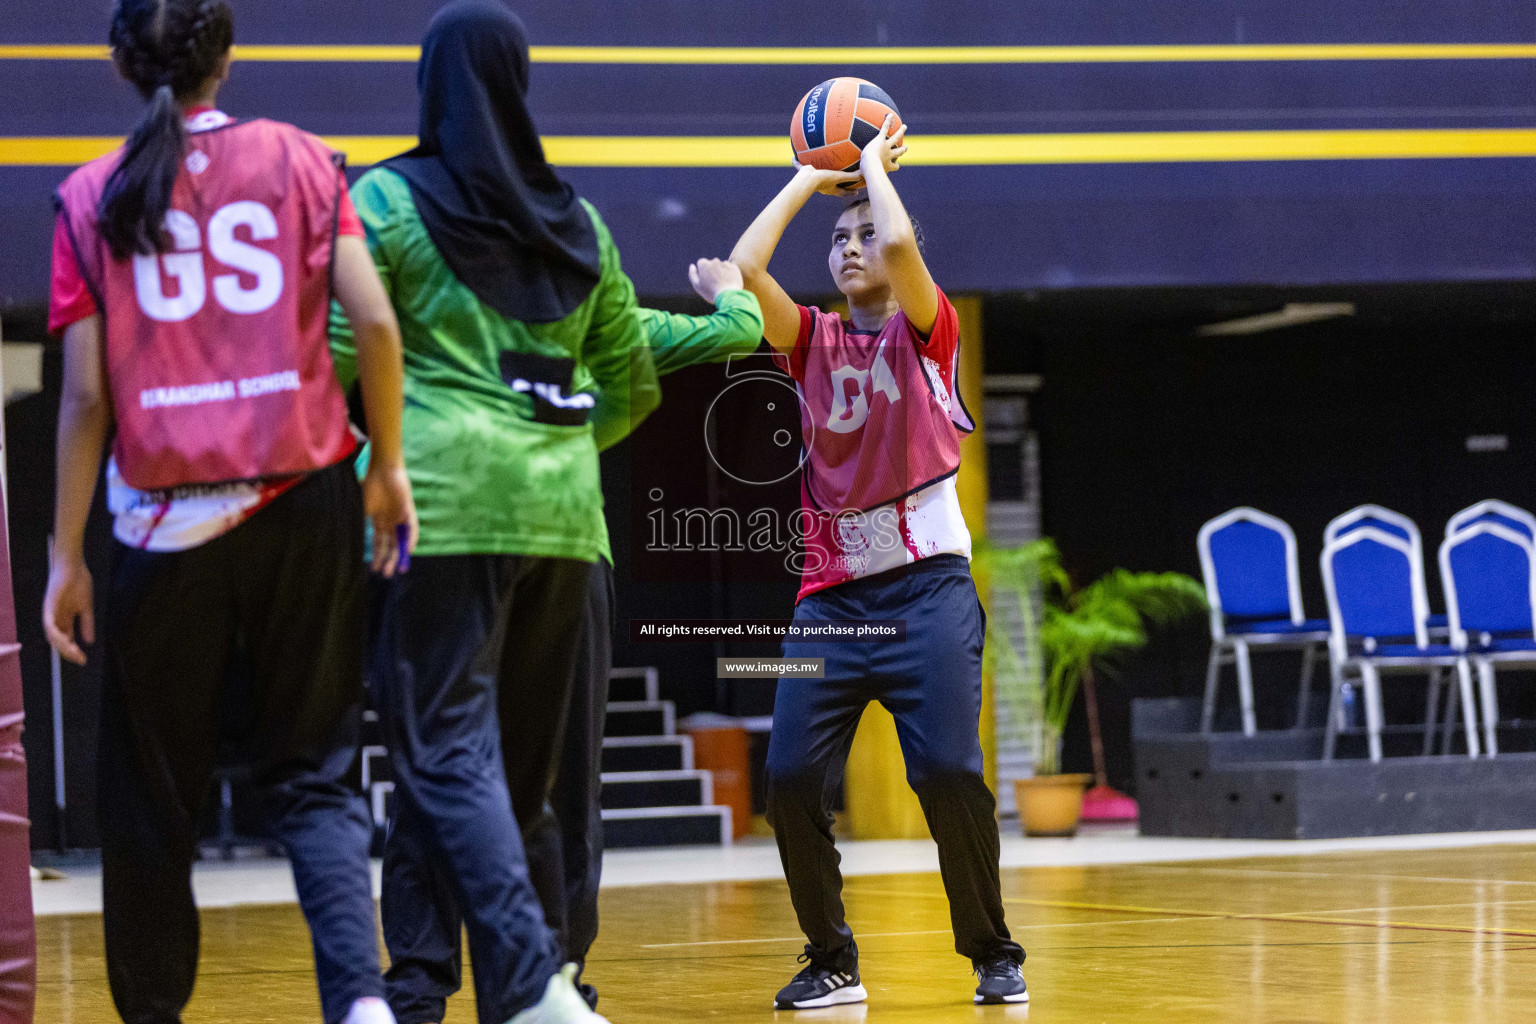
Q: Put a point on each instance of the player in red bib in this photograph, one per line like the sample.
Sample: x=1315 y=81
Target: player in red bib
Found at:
x=881 y=421
x=193 y=271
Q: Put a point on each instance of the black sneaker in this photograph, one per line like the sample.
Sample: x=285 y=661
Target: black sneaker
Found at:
x=819 y=985
x=1002 y=981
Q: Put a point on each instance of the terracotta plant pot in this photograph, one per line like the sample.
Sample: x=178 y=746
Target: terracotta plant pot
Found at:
x=1051 y=805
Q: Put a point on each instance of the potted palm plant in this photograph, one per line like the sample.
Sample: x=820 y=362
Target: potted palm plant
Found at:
x=1074 y=632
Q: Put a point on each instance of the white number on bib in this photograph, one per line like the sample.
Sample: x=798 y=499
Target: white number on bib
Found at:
x=850 y=416
x=185 y=264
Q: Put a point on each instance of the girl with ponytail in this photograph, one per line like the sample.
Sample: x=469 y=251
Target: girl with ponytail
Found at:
x=168 y=50
x=193 y=272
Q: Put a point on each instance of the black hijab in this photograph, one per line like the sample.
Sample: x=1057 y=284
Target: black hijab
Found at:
x=504 y=222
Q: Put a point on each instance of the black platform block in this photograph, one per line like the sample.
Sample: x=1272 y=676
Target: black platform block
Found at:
x=667 y=826
x=1273 y=786
x=629 y=790
x=646 y=753
x=639 y=718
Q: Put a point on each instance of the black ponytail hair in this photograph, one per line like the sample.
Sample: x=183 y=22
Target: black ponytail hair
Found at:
x=167 y=49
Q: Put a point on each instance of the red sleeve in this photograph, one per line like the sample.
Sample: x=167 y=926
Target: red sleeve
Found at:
x=69 y=300
x=796 y=362
x=944 y=340
x=347 y=220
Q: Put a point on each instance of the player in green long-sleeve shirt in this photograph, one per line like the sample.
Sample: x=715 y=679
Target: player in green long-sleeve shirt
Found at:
x=515 y=317
x=675 y=341
x=463 y=427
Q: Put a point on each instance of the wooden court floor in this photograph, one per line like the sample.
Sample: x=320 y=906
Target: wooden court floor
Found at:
x=1378 y=938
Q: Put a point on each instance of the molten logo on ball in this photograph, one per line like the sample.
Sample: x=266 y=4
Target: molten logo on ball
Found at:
x=812 y=107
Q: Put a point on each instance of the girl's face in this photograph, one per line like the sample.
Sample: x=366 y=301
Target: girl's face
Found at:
x=854 y=260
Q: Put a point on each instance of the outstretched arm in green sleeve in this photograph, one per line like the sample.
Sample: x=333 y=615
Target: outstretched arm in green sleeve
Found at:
x=735 y=328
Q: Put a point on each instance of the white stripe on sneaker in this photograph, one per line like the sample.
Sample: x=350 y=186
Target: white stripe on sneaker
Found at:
x=1022 y=997
x=837 y=997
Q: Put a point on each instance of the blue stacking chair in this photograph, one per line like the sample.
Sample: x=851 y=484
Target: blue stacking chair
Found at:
x=1378 y=613
x=1489 y=571
x=1387 y=521
x=1253 y=586
x=1396 y=523
x=1494 y=511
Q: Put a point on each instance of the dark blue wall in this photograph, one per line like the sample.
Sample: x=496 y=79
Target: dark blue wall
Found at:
x=993 y=228
x=853 y=22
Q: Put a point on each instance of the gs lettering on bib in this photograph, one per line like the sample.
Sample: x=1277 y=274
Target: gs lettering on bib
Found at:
x=215 y=350
x=882 y=417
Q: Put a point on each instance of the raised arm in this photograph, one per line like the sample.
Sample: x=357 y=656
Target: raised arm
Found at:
x=781 y=318
x=911 y=283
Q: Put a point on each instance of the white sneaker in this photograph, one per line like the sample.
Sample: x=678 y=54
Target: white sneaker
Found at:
x=369 y=1011
x=561 y=1004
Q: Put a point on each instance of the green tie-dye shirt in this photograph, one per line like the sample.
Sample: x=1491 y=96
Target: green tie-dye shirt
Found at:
x=488 y=478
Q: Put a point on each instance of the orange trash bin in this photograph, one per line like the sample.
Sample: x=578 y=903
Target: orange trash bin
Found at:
x=721 y=747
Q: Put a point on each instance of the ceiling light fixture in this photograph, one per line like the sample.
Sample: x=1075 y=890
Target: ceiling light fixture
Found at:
x=1290 y=315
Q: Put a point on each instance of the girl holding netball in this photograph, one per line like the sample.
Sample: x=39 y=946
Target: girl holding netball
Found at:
x=884 y=539
x=193 y=270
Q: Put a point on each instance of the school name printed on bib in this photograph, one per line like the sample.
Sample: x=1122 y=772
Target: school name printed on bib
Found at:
x=219 y=391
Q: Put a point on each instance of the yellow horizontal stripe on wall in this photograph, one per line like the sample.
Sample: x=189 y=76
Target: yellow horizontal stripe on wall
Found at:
x=1027 y=54
x=836 y=55
x=931 y=150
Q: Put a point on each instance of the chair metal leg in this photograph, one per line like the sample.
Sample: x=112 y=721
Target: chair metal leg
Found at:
x=1489 y=699
x=1335 y=709
x=1308 y=662
x=1372 y=681
x=1448 y=721
x=1212 y=678
x=1432 y=709
x=1245 y=687
x=1468 y=706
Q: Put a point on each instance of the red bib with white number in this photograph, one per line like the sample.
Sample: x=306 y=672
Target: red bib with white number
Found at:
x=881 y=416
x=216 y=350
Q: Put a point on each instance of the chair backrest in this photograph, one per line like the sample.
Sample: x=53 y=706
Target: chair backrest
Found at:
x=1248 y=559
x=1494 y=511
x=1383 y=519
x=1489 y=572
x=1375 y=586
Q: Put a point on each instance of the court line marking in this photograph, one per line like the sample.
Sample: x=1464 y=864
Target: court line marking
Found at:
x=1174 y=53
x=891 y=935
x=1171 y=946
x=1275 y=872
x=1419 y=906
x=931 y=150
x=1220 y=915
